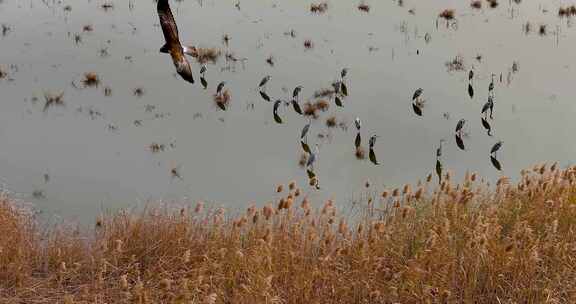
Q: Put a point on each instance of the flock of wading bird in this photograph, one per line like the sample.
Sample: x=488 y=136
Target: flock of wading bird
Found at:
x=338 y=92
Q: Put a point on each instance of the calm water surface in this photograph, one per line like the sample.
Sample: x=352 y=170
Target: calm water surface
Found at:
x=97 y=158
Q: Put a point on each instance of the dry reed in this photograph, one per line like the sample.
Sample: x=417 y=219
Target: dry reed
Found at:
x=462 y=242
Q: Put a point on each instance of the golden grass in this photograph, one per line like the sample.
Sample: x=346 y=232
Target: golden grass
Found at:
x=457 y=243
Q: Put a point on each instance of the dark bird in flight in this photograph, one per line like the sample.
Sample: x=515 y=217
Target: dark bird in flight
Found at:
x=173 y=45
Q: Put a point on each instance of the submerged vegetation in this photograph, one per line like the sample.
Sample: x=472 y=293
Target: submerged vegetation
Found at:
x=465 y=242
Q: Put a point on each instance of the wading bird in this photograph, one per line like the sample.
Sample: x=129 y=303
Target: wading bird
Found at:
x=372 y=141
x=417 y=109
x=417 y=93
x=264 y=81
x=296 y=91
x=264 y=96
x=343 y=73
x=495 y=163
x=296 y=106
x=312 y=157
x=496 y=147
x=460 y=125
x=357 y=123
x=173 y=45
x=305 y=130
x=277 y=104
x=439 y=149
x=371 y=154
x=220 y=87
x=491 y=85
x=489 y=105
x=487 y=126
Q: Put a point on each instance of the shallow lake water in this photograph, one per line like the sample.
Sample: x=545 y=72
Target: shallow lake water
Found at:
x=93 y=152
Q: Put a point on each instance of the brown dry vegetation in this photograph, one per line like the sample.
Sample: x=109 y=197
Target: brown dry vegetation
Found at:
x=447 y=14
x=318 y=8
x=205 y=55
x=458 y=243
x=567 y=11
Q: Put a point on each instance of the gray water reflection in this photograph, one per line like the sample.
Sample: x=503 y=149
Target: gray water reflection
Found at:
x=96 y=149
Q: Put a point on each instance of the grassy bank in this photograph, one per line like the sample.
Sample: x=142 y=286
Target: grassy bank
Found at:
x=465 y=242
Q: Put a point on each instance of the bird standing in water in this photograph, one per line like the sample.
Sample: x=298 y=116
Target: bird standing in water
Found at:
x=173 y=45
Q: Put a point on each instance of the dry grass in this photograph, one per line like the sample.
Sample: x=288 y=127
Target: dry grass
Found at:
x=456 y=64
x=364 y=7
x=53 y=99
x=322 y=105
x=87 y=28
x=447 y=14
x=458 y=243
x=568 y=11
x=91 y=79
x=318 y=8
x=310 y=109
x=205 y=55
x=331 y=122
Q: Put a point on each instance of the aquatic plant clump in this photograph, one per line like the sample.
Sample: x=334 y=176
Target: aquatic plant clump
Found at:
x=205 y=55
x=452 y=243
x=447 y=14
x=319 y=8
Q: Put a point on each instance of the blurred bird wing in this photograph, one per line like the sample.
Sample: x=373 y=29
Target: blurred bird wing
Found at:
x=169 y=27
x=173 y=46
